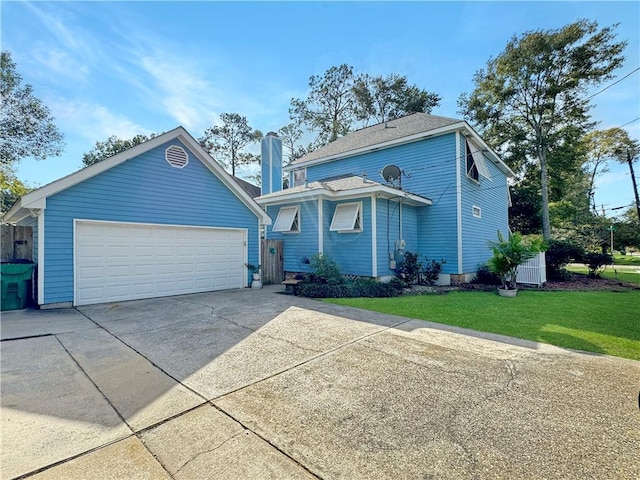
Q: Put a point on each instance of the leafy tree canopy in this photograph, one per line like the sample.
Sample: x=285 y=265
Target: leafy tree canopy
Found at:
x=532 y=96
x=339 y=98
x=26 y=125
x=10 y=187
x=112 y=146
x=381 y=98
x=225 y=143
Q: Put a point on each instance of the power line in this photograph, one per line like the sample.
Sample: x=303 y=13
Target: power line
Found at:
x=634 y=120
x=612 y=84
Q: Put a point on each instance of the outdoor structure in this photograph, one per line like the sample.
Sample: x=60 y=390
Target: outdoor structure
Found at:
x=162 y=218
x=419 y=183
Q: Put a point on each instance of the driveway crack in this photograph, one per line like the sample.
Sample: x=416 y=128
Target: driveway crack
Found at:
x=213 y=449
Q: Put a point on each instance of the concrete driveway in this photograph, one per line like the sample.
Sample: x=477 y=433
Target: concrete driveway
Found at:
x=250 y=384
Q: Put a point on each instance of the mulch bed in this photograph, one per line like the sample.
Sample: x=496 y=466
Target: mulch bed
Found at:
x=577 y=283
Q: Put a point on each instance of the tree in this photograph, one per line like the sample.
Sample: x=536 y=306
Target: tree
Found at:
x=627 y=151
x=528 y=96
x=329 y=109
x=290 y=135
x=112 y=146
x=10 y=187
x=226 y=142
x=26 y=125
x=381 y=98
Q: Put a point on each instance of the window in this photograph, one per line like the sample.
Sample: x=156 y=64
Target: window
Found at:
x=472 y=169
x=477 y=212
x=288 y=220
x=347 y=218
x=299 y=176
x=475 y=163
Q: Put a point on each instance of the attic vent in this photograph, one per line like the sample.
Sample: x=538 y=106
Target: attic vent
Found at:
x=176 y=156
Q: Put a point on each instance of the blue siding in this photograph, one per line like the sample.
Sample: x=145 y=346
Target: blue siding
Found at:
x=145 y=189
x=352 y=251
x=431 y=164
x=298 y=246
x=388 y=223
x=271 y=164
x=491 y=197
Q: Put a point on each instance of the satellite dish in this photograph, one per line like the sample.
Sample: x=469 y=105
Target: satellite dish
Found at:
x=390 y=173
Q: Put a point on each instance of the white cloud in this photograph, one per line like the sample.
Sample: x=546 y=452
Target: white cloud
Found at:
x=93 y=122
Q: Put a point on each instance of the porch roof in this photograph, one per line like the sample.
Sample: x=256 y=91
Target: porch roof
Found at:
x=340 y=187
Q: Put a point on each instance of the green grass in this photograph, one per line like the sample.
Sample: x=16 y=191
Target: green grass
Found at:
x=626 y=260
x=601 y=322
x=620 y=275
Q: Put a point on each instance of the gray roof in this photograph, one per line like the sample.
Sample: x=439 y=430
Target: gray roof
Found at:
x=332 y=184
x=393 y=130
x=344 y=183
x=252 y=190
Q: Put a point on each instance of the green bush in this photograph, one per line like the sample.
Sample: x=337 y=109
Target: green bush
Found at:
x=559 y=253
x=325 y=271
x=597 y=262
x=431 y=271
x=408 y=269
x=484 y=276
x=363 y=287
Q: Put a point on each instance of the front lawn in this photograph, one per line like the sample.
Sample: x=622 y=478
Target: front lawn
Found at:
x=626 y=260
x=628 y=276
x=595 y=321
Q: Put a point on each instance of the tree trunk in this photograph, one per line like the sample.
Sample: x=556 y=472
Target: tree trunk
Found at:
x=633 y=179
x=544 y=183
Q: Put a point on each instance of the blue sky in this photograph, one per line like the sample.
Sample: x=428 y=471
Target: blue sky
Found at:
x=122 y=68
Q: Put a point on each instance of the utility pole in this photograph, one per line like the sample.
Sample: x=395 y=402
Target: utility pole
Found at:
x=633 y=179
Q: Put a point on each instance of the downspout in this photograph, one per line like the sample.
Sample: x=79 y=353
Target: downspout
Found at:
x=374 y=238
x=41 y=256
x=459 y=201
x=320 y=227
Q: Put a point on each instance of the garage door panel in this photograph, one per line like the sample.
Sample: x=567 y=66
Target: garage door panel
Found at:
x=117 y=262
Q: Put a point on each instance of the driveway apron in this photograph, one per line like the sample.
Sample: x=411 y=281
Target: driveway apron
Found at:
x=253 y=384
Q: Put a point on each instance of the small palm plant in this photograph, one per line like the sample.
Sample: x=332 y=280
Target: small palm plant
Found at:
x=509 y=254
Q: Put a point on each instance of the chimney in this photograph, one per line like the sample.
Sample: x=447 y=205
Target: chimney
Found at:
x=271 y=149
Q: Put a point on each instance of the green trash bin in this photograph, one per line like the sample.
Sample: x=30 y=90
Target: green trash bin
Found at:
x=15 y=278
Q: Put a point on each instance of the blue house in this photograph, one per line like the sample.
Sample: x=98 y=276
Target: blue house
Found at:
x=420 y=183
x=162 y=218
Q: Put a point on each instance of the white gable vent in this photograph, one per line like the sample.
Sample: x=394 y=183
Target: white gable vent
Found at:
x=176 y=156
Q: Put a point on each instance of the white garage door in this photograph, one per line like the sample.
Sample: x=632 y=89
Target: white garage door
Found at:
x=118 y=261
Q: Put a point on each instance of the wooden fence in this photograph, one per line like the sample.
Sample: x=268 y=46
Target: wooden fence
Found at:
x=16 y=243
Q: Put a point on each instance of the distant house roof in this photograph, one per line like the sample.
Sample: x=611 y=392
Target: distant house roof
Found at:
x=409 y=128
x=252 y=190
x=340 y=187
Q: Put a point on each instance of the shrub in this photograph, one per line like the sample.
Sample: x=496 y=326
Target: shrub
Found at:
x=325 y=271
x=508 y=254
x=560 y=253
x=597 y=262
x=484 y=276
x=408 y=269
x=363 y=287
x=431 y=271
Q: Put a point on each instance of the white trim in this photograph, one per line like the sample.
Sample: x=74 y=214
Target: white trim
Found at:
x=475 y=208
x=374 y=238
x=313 y=193
x=35 y=198
x=459 y=199
x=304 y=170
x=244 y=231
x=41 y=257
x=320 y=226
